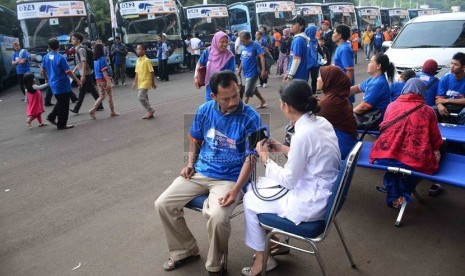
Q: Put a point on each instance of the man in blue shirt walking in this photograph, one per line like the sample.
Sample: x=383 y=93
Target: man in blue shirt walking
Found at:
x=57 y=73
x=298 y=54
x=20 y=60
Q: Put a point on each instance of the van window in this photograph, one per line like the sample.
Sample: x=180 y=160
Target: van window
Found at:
x=447 y=34
x=238 y=16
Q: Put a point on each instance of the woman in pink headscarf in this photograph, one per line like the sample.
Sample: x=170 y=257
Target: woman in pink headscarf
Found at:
x=284 y=48
x=216 y=58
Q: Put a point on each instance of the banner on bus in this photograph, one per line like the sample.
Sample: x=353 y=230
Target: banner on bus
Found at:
x=51 y=9
x=147 y=7
x=275 y=6
x=342 y=8
x=369 y=12
x=8 y=41
x=203 y=12
x=310 y=10
x=402 y=13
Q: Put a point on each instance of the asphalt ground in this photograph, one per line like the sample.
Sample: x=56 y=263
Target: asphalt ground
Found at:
x=80 y=201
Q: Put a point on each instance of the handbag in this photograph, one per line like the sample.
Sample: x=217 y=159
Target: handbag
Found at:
x=201 y=73
x=369 y=120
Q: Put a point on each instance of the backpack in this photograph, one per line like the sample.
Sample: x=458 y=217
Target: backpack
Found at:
x=89 y=56
x=269 y=60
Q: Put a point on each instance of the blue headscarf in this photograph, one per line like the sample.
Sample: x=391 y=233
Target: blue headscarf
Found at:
x=312 y=55
x=414 y=86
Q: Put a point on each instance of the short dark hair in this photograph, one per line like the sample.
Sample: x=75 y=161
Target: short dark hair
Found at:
x=298 y=94
x=245 y=35
x=222 y=78
x=344 y=31
x=460 y=57
x=53 y=44
x=117 y=37
x=408 y=74
x=79 y=36
x=142 y=45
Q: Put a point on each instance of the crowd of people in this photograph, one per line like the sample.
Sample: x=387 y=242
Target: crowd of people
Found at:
x=221 y=161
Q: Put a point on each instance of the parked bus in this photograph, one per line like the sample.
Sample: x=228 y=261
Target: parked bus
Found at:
x=42 y=20
x=206 y=20
x=9 y=33
x=340 y=13
x=312 y=13
x=251 y=15
x=141 y=22
x=368 y=16
x=394 y=16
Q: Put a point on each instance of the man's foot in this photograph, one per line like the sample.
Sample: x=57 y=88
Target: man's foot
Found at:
x=265 y=85
x=66 y=127
x=42 y=125
x=259 y=85
x=114 y=114
x=53 y=122
x=263 y=105
x=48 y=104
x=149 y=115
x=171 y=264
x=123 y=84
x=74 y=110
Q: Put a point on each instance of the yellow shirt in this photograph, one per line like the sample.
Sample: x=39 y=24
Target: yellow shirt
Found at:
x=144 y=71
x=366 y=37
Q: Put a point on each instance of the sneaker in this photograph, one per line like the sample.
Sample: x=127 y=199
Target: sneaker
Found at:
x=265 y=85
x=123 y=84
x=259 y=85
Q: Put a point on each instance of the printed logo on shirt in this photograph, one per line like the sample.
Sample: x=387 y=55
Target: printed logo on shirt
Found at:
x=51 y=57
x=451 y=94
x=425 y=78
x=219 y=141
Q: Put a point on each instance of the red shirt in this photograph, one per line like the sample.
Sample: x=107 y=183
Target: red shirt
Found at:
x=412 y=140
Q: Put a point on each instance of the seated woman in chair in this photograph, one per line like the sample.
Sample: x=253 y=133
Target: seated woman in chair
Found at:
x=376 y=89
x=410 y=138
x=312 y=168
x=335 y=106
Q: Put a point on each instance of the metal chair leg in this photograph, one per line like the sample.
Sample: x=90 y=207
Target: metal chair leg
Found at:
x=318 y=258
x=266 y=252
x=401 y=213
x=341 y=236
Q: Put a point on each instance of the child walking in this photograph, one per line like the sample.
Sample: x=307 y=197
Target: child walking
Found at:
x=35 y=104
x=144 y=80
x=103 y=81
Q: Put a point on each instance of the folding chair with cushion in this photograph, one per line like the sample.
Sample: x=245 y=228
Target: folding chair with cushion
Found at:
x=196 y=204
x=315 y=231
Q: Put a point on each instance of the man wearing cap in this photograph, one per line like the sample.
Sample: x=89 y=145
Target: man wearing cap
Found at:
x=297 y=68
x=327 y=34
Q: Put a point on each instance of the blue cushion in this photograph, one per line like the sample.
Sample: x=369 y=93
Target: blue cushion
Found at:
x=305 y=229
x=197 y=202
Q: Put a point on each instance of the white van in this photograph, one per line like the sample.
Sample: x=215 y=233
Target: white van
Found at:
x=437 y=37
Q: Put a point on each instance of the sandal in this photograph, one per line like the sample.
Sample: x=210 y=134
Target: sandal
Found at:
x=397 y=203
x=381 y=189
x=171 y=264
x=435 y=189
x=43 y=124
x=262 y=106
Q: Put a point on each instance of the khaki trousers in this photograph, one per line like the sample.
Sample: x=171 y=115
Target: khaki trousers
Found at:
x=181 y=242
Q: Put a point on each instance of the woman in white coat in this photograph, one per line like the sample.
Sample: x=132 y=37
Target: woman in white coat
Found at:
x=309 y=174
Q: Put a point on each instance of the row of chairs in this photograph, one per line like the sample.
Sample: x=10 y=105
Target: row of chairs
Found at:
x=309 y=232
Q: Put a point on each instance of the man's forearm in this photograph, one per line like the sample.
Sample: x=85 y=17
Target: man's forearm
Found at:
x=194 y=149
x=245 y=173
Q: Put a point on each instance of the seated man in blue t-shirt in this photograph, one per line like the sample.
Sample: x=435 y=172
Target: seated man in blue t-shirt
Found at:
x=219 y=165
x=451 y=90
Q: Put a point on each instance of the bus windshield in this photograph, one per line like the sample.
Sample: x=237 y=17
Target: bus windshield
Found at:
x=209 y=25
x=369 y=16
x=145 y=27
x=37 y=31
x=274 y=19
x=398 y=17
x=343 y=14
x=313 y=15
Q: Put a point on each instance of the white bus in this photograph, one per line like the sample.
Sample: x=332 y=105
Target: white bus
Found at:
x=251 y=15
x=141 y=22
x=42 y=20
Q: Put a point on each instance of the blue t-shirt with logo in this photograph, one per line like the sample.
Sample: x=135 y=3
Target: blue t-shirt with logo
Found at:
x=344 y=58
x=299 y=49
x=377 y=92
x=451 y=88
x=378 y=39
x=431 y=92
x=22 y=68
x=100 y=65
x=224 y=145
x=249 y=55
x=56 y=67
